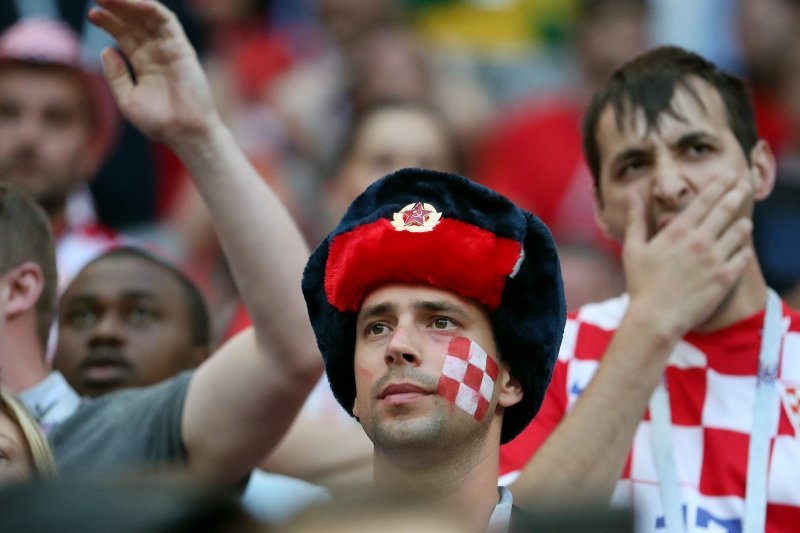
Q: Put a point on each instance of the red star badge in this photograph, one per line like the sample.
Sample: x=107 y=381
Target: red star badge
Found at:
x=416 y=216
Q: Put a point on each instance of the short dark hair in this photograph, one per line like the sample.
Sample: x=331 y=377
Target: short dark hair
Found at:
x=26 y=235
x=649 y=82
x=196 y=307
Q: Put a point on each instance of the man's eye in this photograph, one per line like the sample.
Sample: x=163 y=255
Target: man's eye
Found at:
x=442 y=323
x=139 y=316
x=699 y=149
x=58 y=118
x=378 y=328
x=81 y=318
x=631 y=168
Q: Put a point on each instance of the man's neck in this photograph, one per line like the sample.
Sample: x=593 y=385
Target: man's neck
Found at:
x=468 y=485
x=22 y=360
x=748 y=296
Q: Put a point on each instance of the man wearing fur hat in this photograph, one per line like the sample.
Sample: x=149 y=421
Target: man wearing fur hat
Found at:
x=438 y=307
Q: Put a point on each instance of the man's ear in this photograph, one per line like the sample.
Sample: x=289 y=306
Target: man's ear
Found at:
x=762 y=166
x=22 y=286
x=510 y=388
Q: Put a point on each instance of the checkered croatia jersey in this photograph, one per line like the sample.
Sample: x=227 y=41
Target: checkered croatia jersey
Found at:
x=712 y=382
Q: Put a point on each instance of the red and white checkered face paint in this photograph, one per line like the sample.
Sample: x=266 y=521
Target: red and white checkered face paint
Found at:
x=468 y=377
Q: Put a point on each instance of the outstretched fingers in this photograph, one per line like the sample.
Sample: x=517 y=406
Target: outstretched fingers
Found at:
x=134 y=23
x=148 y=15
x=126 y=37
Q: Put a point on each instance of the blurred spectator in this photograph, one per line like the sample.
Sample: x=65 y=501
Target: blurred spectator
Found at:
x=373 y=57
x=766 y=30
x=129 y=319
x=24 y=452
x=385 y=137
x=533 y=153
x=210 y=420
x=135 y=504
x=392 y=512
x=778 y=217
x=516 y=48
x=57 y=123
x=247 y=51
x=126 y=188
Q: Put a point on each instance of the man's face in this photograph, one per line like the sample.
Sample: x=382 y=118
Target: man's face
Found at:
x=123 y=322
x=44 y=131
x=669 y=165
x=402 y=338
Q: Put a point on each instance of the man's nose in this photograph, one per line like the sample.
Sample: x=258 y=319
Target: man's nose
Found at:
x=670 y=186
x=109 y=328
x=403 y=347
x=29 y=130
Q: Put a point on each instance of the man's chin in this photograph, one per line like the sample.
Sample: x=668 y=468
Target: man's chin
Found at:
x=99 y=381
x=408 y=432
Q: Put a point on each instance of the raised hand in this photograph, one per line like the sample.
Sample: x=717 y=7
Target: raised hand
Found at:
x=681 y=275
x=170 y=99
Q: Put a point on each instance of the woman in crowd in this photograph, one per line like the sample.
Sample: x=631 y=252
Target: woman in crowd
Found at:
x=24 y=451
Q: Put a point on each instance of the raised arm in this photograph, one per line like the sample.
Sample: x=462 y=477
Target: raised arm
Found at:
x=676 y=280
x=244 y=398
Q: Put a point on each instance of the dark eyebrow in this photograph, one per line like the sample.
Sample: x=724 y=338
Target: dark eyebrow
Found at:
x=693 y=137
x=439 y=307
x=80 y=299
x=630 y=153
x=431 y=306
x=89 y=298
x=140 y=295
x=368 y=313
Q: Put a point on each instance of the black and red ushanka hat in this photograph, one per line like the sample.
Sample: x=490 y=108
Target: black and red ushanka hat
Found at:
x=426 y=227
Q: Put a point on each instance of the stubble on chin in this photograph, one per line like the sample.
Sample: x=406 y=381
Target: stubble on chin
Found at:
x=411 y=430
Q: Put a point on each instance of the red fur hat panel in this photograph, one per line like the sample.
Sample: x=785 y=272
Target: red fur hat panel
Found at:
x=454 y=255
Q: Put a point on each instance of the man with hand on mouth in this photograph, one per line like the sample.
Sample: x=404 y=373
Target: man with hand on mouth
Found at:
x=438 y=307
x=681 y=396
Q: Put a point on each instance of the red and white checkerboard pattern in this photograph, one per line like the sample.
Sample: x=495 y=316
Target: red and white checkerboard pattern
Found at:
x=791 y=402
x=468 y=377
x=712 y=382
